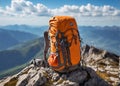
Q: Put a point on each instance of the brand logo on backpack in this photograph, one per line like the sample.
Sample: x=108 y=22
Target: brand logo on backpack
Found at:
x=71 y=24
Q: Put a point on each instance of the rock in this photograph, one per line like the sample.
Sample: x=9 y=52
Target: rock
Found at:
x=78 y=76
x=68 y=83
x=114 y=79
x=47 y=77
x=55 y=77
x=37 y=80
x=104 y=63
x=22 y=80
x=96 y=82
x=38 y=62
x=90 y=72
x=84 y=50
x=58 y=82
x=112 y=56
x=5 y=80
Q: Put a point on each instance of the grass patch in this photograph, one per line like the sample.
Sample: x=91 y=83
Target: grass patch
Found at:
x=12 y=82
x=107 y=76
x=104 y=76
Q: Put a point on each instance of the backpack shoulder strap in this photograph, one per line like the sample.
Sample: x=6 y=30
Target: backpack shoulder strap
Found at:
x=46 y=45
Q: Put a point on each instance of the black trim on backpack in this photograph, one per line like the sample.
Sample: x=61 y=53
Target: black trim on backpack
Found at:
x=65 y=45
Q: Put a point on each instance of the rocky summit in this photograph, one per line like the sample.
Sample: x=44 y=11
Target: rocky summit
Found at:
x=98 y=68
x=104 y=63
x=40 y=76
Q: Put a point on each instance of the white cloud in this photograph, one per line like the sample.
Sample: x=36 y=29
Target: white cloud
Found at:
x=1 y=11
x=26 y=8
x=91 y=14
x=24 y=11
x=42 y=10
x=87 y=10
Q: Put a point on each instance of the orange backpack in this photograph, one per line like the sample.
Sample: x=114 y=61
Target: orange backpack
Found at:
x=64 y=43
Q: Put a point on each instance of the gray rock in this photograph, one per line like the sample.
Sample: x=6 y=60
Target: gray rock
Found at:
x=37 y=80
x=90 y=72
x=55 y=77
x=104 y=63
x=23 y=80
x=68 y=83
x=96 y=82
x=38 y=62
x=83 y=76
x=78 y=76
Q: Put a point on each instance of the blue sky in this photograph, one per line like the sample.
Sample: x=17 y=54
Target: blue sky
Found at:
x=59 y=3
x=38 y=12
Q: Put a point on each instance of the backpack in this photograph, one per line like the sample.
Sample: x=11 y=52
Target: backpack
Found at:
x=64 y=42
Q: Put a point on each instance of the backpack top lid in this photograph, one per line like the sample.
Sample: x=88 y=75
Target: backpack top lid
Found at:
x=62 y=18
x=62 y=22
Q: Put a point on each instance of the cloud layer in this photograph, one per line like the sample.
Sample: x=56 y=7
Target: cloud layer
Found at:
x=27 y=8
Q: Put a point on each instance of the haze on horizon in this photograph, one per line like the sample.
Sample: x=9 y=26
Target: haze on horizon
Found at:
x=38 y=12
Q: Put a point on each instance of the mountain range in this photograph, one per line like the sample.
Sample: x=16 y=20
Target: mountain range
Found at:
x=107 y=37
x=38 y=30
x=20 y=54
x=9 y=38
x=18 y=43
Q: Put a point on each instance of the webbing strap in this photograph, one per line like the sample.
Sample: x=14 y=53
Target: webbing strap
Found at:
x=64 y=55
x=65 y=50
x=46 y=45
x=57 y=51
x=66 y=70
x=68 y=55
x=74 y=37
x=70 y=29
x=67 y=44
